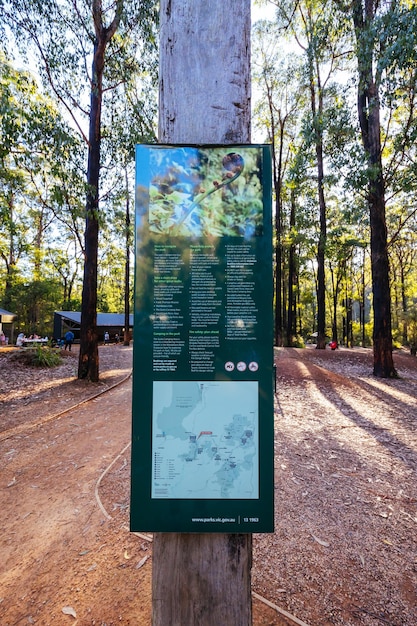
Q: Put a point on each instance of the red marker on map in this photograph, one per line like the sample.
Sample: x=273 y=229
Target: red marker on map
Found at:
x=205 y=432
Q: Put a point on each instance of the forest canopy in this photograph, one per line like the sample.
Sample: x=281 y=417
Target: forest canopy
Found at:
x=321 y=69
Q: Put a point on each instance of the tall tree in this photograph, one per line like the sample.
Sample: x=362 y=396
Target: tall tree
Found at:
x=35 y=145
x=88 y=365
x=133 y=113
x=65 y=36
x=203 y=579
x=321 y=38
x=292 y=276
x=313 y=27
x=364 y=15
x=277 y=78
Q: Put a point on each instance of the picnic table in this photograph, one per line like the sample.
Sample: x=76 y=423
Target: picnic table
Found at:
x=31 y=343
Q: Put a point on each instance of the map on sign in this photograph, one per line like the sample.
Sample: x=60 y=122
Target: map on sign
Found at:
x=205 y=440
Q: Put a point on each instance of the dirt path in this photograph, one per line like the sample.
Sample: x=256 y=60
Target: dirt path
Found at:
x=345 y=546
x=67 y=556
x=344 y=550
x=58 y=549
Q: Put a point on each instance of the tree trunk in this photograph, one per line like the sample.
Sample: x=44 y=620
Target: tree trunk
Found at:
x=321 y=284
x=369 y=119
x=278 y=267
x=363 y=303
x=88 y=363
x=9 y=257
x=404 y=302
x=334 y=320
x=126 y=334
x=292 y=282
x=382 y=334
x=277 y=173
x=316 y=101
x=203 y=579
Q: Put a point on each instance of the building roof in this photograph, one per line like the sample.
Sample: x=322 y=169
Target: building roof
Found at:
x=103 y=319
x=6 y=317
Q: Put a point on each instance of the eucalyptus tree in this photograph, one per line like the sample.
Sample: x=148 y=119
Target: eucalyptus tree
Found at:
x=320 y=37
x=276 y=114
x=341 y=245
x=299 y=239
x=67 y=262
x=35 y=145
x=84 y=50
x=369 y=112
x=132 y=121
x=103 y=34
x=399 y=98
x=18 y=97
x=304 y=228
x=386 y=61
x=402 y=249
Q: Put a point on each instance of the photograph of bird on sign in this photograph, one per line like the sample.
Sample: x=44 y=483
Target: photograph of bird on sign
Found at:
x=196 y=192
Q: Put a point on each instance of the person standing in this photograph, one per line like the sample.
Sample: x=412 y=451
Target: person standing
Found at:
x=69 y=338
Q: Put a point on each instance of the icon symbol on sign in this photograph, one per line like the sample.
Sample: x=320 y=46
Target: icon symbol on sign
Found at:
x=229 y=366
x=253 y=366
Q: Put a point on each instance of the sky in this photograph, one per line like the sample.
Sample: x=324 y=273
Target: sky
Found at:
x=259 y=13
x=266 y=12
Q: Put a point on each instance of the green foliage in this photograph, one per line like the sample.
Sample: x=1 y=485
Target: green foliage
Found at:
x=325 y=49
x=36 y=156
x=411 y=321
x=298 y=342
x=42 y=163
x=41 y=356
x=46 y=357
x=35 y=303
x=357 y=334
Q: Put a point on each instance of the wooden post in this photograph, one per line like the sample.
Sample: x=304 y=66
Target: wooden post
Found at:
x=203 y=579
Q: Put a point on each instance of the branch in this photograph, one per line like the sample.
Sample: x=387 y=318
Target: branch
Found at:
x=400 y=227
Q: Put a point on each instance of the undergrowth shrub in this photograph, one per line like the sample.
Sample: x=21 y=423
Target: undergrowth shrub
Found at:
x=41 y=356
x=44 y=356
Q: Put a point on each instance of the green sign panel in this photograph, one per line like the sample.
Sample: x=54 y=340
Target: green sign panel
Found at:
x=202 y=433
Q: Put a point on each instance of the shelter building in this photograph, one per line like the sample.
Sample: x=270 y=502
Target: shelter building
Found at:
x=114 y=323
x=7 y=320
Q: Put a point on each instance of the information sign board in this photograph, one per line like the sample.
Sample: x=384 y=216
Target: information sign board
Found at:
x=202 y=427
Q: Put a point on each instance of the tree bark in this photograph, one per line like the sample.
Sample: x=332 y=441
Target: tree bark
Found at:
x=128 y=237
x=88 y=363
x=277 y=165
x=316 y=102
x=292 y=282
x=369 y=119
x=321 y=248
x=203 y=579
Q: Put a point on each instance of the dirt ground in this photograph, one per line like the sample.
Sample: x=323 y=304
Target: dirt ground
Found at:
x=344 y=550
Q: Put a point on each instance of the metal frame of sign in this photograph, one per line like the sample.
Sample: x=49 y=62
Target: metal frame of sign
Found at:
x=202 y=424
